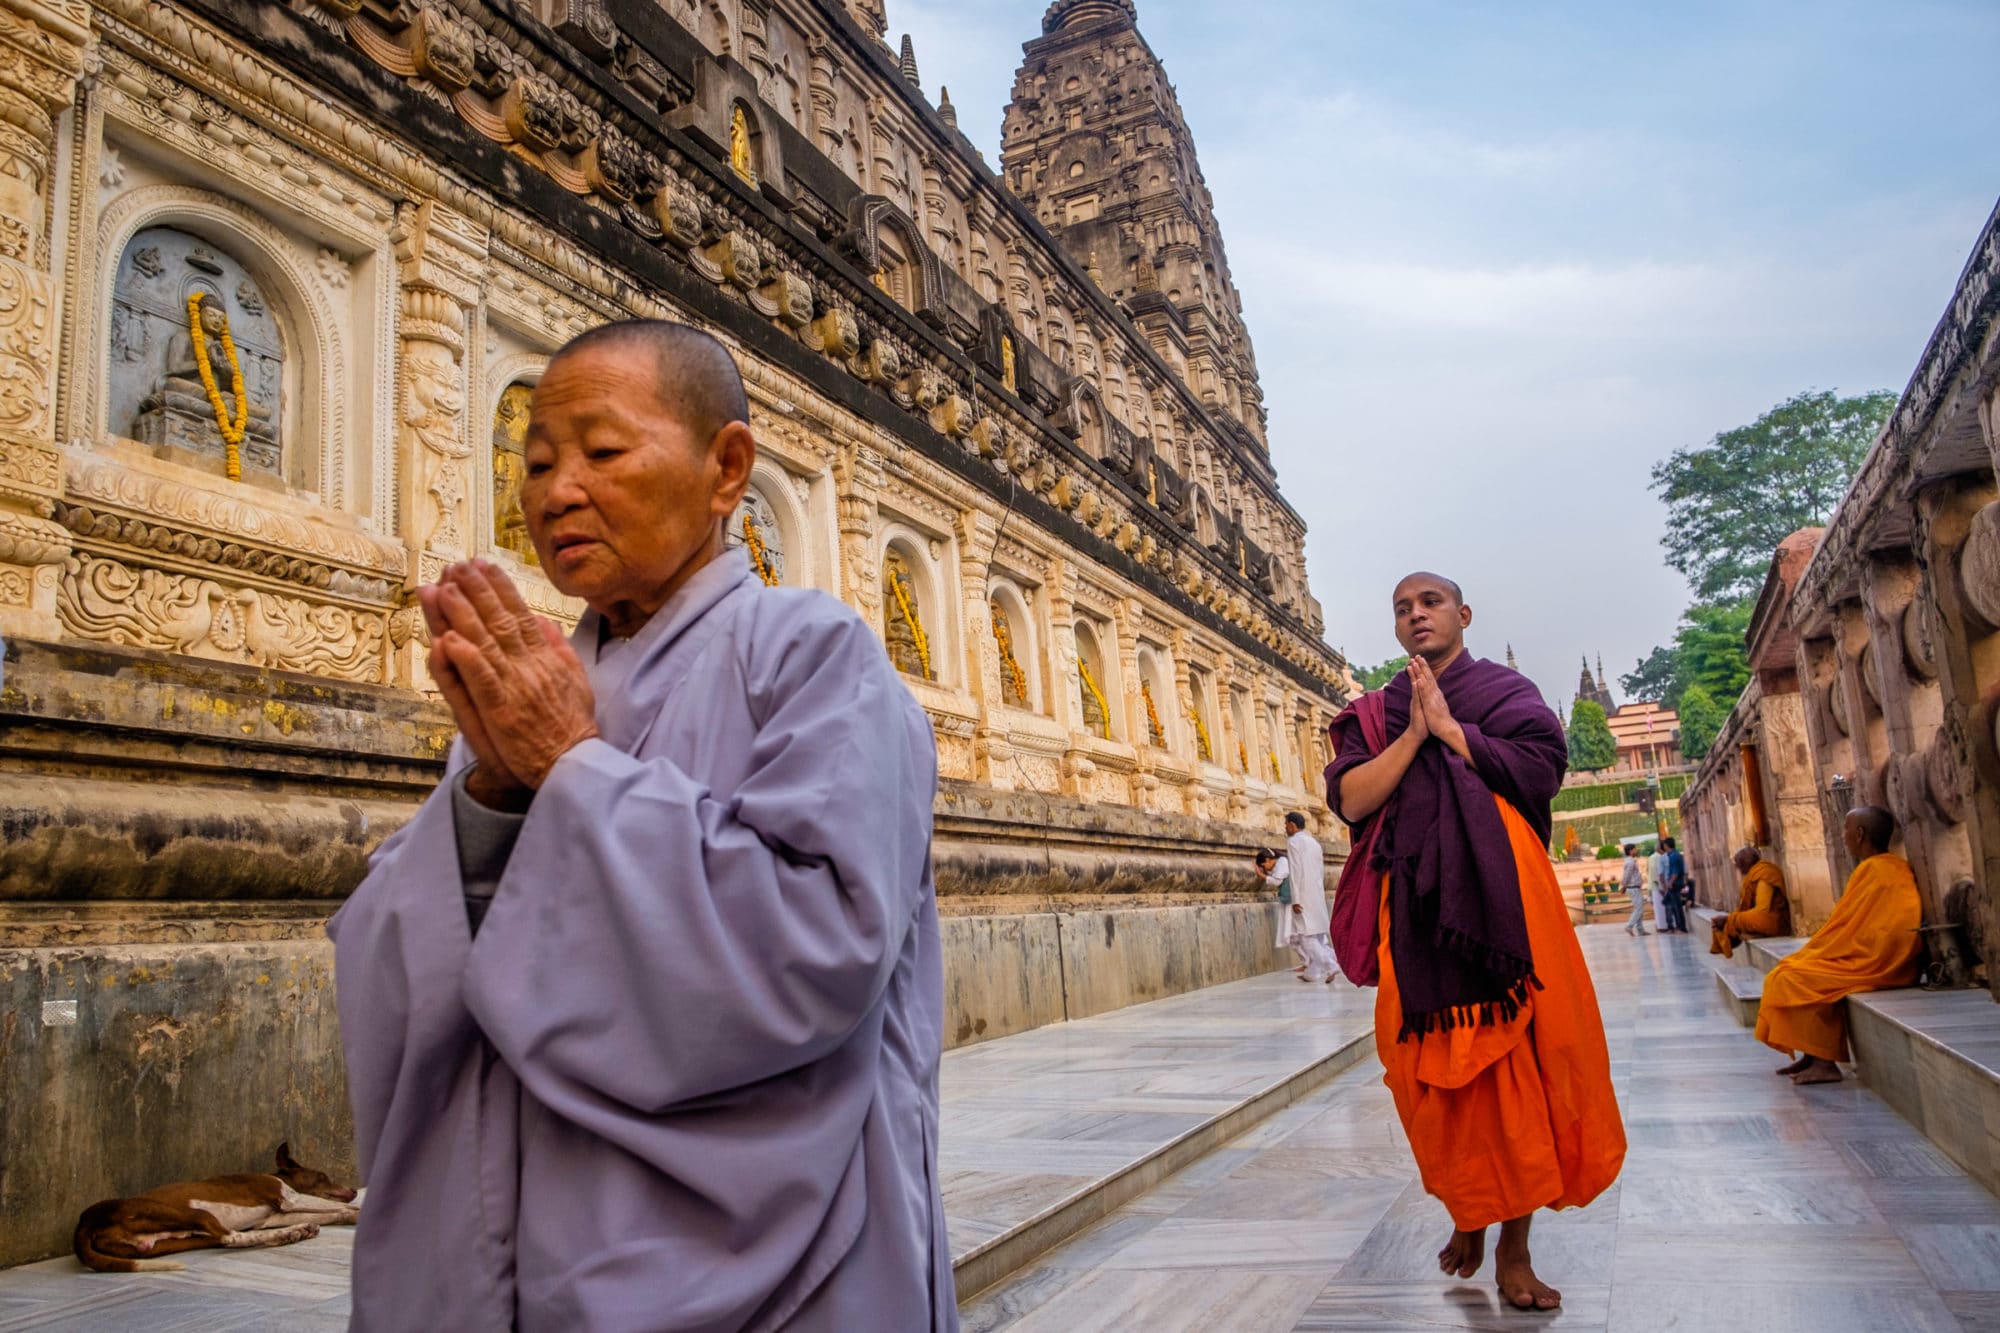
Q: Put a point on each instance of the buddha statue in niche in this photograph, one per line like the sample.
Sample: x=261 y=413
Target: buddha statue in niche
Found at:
x=170 y=284
x=902 y=620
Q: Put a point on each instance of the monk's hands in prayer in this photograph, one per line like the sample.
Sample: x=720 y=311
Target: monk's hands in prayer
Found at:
x=518 y=690
x=1428 y=699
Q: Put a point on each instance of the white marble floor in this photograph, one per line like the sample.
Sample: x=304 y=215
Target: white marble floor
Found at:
x=1028 y=1121
x=1746 y=1204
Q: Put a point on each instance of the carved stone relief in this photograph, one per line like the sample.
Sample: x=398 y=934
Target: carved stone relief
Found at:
x=158 y=393
x=183 y=613
x=755 y=527
x=510 y=439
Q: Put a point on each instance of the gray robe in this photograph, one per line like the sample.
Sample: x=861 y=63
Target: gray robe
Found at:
x=684 y=1076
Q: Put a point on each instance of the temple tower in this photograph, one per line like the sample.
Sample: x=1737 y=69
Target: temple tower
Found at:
x=1095 y=143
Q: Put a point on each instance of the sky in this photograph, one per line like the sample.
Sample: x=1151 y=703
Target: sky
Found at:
x=1498 y=259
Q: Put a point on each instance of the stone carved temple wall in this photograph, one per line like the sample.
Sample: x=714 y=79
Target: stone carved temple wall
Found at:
x=276 y=281
x=1895 y=623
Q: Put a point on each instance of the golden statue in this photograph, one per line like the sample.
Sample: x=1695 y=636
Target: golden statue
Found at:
x=902 y=623
x=1096 y=712
x=1007 y=363
x=1013 y=680
x=510 y=442
x=739 y=145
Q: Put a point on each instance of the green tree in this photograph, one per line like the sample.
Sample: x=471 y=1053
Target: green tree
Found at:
x=1708 y=650
x=1591 y=746
x=1731 y=501
x=1655 y=678
x=1375 y=677
x=1701 y=721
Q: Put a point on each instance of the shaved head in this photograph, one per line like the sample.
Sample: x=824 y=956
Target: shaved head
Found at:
x=1436 y=581
x=694 y=375
x=1875 y=826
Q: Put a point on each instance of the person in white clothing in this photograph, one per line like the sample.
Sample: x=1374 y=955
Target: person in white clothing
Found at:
x=1276 y=872
x=1656 y=875
x=1308 y=862
x=1633 y=881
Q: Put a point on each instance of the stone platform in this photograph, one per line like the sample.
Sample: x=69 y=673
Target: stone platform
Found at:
x=1745 y=1203
x=1042 y=1134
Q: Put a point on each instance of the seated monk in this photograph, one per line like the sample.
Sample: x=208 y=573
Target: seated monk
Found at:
x=1870 y=943
x=1762 y=911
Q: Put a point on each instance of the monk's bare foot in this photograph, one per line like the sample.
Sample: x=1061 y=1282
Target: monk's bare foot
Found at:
x=1798 y=1066
x=1463 y=1253
x=1516 y=1273
x=1818 y=1071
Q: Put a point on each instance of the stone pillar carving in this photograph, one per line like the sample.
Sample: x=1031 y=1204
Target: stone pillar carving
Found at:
x=992 y=755
x=1174 y=712
x=441 y=258
x=858 y=477
x=1864 y=726
x=1958 y=538
x=43 y=44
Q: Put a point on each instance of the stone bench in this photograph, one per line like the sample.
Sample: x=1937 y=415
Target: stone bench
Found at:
x=1742 y=991
x=1765 y=954
x=1935 y=1057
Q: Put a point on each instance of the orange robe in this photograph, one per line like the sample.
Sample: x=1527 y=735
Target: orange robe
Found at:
x=1761 y=912
x=1513 y=1116
x=1869 y=943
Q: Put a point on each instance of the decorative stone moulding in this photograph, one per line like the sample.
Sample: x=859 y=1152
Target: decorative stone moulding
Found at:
x=1979 y=566
x=1869 y=684
x=1945 y=778
x=475 y=62
x=1919 y=643
x=1836 y=706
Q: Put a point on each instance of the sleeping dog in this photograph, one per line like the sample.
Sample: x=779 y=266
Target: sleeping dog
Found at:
x=240 y=1212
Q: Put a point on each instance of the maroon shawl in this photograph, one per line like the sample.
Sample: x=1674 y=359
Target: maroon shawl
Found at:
x=1458 y=935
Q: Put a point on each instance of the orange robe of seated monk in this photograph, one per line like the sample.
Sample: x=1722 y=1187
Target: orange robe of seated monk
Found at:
x=1513 y=1116
x=1869 y=943
x=1761 y=913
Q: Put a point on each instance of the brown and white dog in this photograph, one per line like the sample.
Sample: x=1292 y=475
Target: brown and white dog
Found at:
x=239 y=1211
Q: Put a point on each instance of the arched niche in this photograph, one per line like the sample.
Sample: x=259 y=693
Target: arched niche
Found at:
x=770 y=525
x=1096 y=688
x=886 y=242
x=1272 y=764
x=1015 y=632
x=508 y=454
x=1156 y=691
x=1202 y=717
x=197 y=282
x=1246 y=739
x=912 y=626
x=746 y=142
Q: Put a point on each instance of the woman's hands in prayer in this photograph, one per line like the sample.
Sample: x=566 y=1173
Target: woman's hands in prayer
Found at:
x=1427 y=701
x=517 y=689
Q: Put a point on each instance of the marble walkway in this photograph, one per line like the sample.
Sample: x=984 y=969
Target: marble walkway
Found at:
x=1746 y=1203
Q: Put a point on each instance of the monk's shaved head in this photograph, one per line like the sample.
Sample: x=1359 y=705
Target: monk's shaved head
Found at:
x=1874 y=825
x=695 y=377
x=1435 y=580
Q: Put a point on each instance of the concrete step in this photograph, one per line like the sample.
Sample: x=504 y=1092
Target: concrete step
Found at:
x=1935 y=1057
x=1742 y=992
x=1046 y=1132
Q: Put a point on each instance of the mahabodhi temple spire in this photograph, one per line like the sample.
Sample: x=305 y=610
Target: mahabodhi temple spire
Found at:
x=1094 y=142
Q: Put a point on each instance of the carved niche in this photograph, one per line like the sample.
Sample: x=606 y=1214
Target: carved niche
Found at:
x=755 y=527
x=175 y=292
x=510 y=442
x=903 y=630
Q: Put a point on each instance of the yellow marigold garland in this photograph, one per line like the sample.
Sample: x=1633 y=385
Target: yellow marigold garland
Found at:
x=1103 y=708
x=1242 y=758
x=1201 y=734
x=1277 y=773
x=1154 y=731
x=916 y=625
x=1008 y=663
x=759 y=558
x=232 y=431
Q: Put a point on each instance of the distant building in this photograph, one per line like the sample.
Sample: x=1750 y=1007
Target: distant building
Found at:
x=1648 y=736
x=1594 y=689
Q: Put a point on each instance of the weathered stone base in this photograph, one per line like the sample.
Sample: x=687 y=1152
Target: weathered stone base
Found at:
x=183 y=1060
